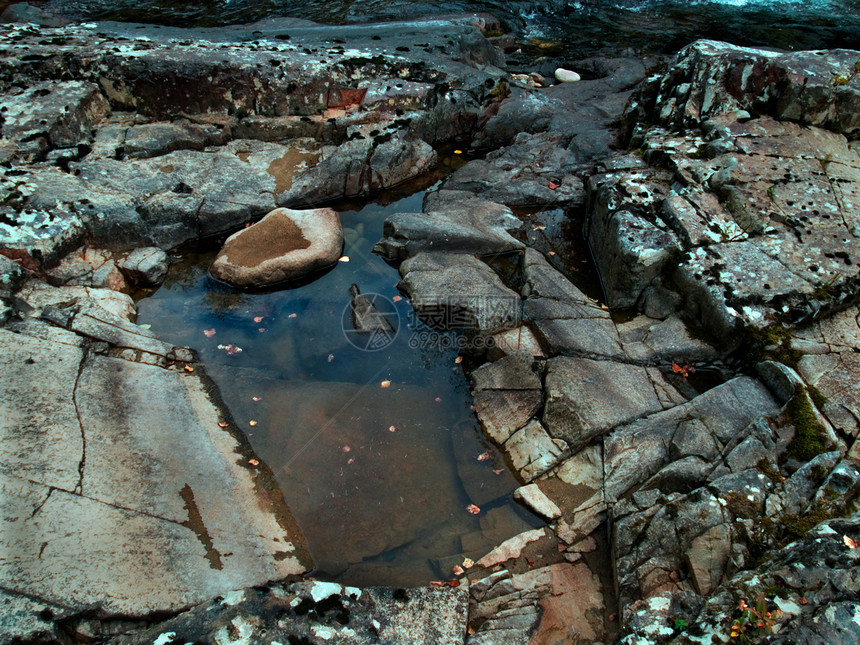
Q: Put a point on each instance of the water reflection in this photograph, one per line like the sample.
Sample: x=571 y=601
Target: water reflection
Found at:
x=375 y=451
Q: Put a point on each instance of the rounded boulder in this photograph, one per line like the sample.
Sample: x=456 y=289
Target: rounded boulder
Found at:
x=285 y=245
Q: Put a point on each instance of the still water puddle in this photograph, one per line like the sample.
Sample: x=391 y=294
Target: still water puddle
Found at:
x=372 y=440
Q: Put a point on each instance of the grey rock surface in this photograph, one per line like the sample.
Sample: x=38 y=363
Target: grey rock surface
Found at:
x=113 y=506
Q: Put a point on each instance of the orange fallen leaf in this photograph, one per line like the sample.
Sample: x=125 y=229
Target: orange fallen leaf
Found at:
x=484 y=456
x=453 y=583
x=684 y=370
x=258 y=319
x=437 y=583
x=472 y=509
x=851 y=544
x=553 y=185
x=804 y=601
x=497 y=471
x=188 y=368
x=253 y=462
x=344 y=258
x=470 y=630
x=384 y=384
x=397 y=298
x=392 y=428
x=209 y=333
x=252 y=422
x=350 y=461
x=551 y=253
x=458 y=152
x=457 y=570
x=222 y=424
x=256 y=398
x=438 y=399
x=346 y=449
x=458 y=360
x=293 y=316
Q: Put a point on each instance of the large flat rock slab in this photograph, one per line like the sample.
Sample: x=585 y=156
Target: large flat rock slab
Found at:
x=122 y=493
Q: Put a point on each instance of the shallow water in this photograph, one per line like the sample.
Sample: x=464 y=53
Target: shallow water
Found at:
x=378 y=478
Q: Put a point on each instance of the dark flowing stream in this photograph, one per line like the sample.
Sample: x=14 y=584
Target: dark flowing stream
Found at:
x=371 y=438
x=551 y=28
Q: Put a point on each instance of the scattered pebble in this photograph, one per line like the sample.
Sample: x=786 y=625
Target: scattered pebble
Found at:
x=565 y=75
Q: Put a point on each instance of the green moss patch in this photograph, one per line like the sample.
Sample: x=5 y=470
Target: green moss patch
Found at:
x=810 y=439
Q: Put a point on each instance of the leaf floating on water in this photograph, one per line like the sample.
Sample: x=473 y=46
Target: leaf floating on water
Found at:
x=397 y=298
x=472 y=509
x=497 y=471
x=437 y=583
x=253 y=462
x=188 y=368
x=458 y=360
x=457 y=570
x=330 y=358
x=385 y=384
x=392 y=428
x=551 y=253
x=458 y=152
x=209 y=333
x=851 y=544
x=346 y=449
x=262 y=330
x=252 y=422
x=231 y=349
x=258 y=319
x=552 y=185
x=350 y=461
x=293 y=316
x=255 y=399
x=344 y=258
x=222 y=424
x=438 y=399
x=484 y=456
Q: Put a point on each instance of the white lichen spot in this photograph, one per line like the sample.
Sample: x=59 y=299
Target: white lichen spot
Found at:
x=352 y=591
x=659 y=603
x=233 y=598
x=163 y=639
x=323 y=632
x=322 y=590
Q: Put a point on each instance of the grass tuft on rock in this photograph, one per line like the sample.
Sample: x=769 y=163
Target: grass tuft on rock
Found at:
x=810 y=438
